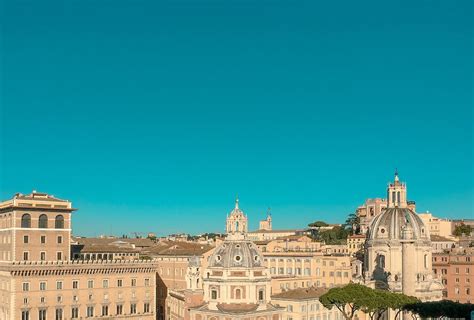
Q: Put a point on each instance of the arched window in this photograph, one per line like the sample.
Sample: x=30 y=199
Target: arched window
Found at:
x=26 y=221
x=43 y=221
x=59 y=222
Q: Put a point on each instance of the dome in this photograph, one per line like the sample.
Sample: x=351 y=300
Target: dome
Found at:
x=236 y=254
x=398 y=224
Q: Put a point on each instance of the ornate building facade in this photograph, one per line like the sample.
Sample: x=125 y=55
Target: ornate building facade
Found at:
x=236 y=284
x=398 y=249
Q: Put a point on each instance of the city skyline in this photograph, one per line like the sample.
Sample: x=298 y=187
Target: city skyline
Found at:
x=155 y=113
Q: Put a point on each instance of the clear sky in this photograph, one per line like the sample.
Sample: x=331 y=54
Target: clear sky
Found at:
x=153 y=115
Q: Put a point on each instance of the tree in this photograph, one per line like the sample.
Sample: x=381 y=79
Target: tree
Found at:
x=444 y=308
x=461 y=229
x=352 y=223
x=318 y=224
x=348 y=299
x=375 y=302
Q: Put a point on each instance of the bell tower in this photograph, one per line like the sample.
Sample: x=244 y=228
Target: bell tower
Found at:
x=397 y=193
x=237 y=223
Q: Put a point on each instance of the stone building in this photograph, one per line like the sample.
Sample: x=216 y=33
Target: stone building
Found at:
x=398 y=249
x=236 y=283
x=437 y=226
x=303 y=304
x=455 y=269
x=38 y=280
x=355 y=243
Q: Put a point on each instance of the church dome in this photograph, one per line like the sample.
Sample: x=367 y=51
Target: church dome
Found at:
x=398 y=224
x=236 y=254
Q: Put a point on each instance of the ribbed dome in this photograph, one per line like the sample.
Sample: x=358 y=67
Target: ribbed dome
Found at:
x=236 y=254
x=398 y=223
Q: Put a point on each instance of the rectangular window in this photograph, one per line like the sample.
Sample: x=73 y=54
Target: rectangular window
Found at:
x=133 y=308
x=75 y=284
x=59 y=314
x=26 y=239
x=147 y=282
x=25 y=315
x=119 y=309
x=134 y=282
x=90 y=284
x=59 y=285
x=119 y=283
x=75 y=312
x=105 y=310
x=60 y=239
x=146 y=307
x=26 y=255
x=26 y=286
x=59 y=255
x=42 y=286
x=43 y=256
x=43 y=239
x=105 y=283
x=90 y=311
x=42 y=314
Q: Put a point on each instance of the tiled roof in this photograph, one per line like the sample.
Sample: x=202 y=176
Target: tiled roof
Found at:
x=166 y=248
x=439 y=238
x=99 y=248
x=301 y=294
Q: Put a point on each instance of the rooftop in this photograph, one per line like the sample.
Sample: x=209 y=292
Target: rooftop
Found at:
x=301 y=294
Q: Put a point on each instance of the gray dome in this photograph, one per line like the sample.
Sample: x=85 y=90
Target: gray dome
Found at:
x=236 y=254
x=398 y=223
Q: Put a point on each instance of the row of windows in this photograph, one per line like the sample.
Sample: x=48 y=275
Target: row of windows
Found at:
x=75 y=299
x=90 y=312
x=307 y=272
x=26 y=239
x=42 y=221
x=287 y=286
x=324 y=262
x=90 y=284
x=445 y=271
x=26 y=255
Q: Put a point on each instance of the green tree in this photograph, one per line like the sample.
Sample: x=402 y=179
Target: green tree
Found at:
x=444 y=308
x=348 y=299
x=318 y=224
x=352 y=223
x=461 y=229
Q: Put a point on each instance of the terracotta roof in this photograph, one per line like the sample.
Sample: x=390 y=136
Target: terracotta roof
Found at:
x=293 y=237
x=237 y=307
x=262 y=242
x=357 y=236
x=116 y=241
x=166 y=248
x=434 y=237
x=99 y=248
x=275 y=231
x=301 y=293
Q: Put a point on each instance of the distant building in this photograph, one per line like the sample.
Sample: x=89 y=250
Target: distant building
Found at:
x=441 y=244
x=437 y=226
x=267 y=223
x=355 y=243
x=455 y=269
x=303 y=304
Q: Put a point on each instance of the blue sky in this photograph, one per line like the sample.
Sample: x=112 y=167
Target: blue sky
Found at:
x=153 y=115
